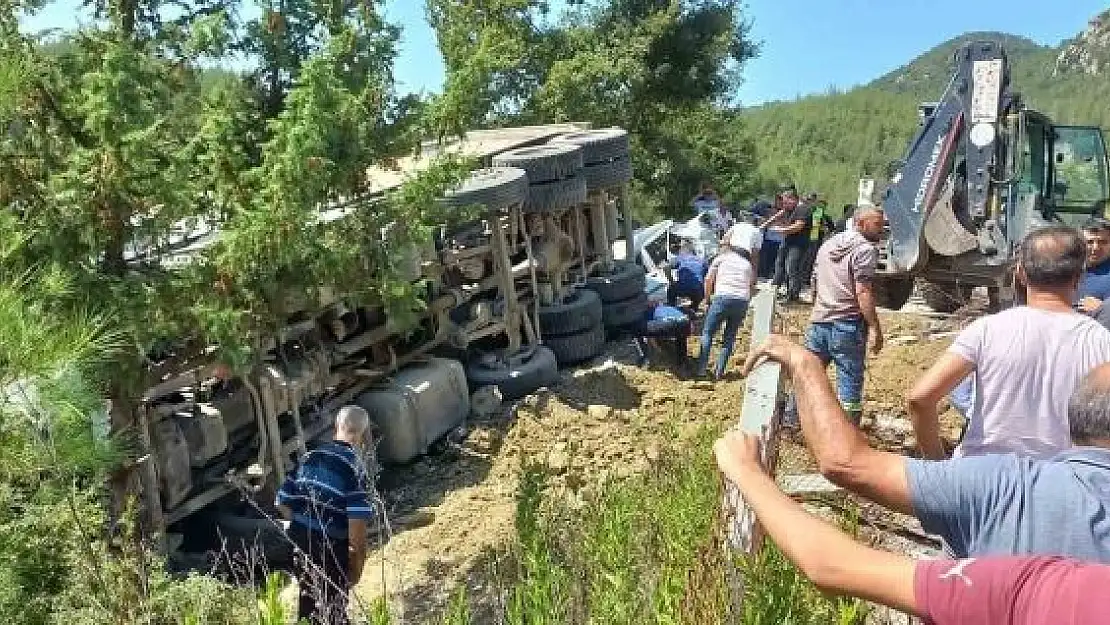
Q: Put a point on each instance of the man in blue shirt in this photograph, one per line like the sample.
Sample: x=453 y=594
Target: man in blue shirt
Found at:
x=687 y=271
x=994 y=504
x=666 y=323
x=1094 y=286
x=764 y=210
x=325 y=499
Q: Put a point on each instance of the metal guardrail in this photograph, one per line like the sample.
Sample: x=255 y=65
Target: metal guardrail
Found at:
x=761 y=415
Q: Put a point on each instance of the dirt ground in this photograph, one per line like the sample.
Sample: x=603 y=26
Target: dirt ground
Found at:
x=451 y=511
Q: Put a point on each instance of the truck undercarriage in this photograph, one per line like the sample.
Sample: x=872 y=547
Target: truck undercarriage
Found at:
x=528 y=285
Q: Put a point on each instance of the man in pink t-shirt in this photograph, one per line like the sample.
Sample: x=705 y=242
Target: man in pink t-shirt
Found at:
x=1029 y=590
x=1039 y=590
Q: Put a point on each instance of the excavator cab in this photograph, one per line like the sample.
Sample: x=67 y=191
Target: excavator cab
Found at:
x=1061 y=174
x=1076 y=171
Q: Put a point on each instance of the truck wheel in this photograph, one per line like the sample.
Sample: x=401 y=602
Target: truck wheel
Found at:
x=607 y=175
x=892 y=293
x=625 y=281
x=626 y=312
x=581 y=311
x=494 y=188
x=945 y=297
x=554 y=196
x=598 y=146
x=516 y=375
x=544 y=163
x=571 y=349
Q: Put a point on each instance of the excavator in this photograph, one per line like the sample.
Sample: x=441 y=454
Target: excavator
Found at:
x=982 y=172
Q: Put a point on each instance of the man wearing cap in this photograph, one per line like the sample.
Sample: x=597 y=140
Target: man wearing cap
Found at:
x=729 y=287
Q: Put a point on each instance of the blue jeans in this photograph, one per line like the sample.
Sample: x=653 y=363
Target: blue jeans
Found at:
x=844 y=343
x=729 y=311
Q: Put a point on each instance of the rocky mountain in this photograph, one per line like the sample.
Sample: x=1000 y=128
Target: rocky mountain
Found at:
x=1089 y=52
x=826 y=142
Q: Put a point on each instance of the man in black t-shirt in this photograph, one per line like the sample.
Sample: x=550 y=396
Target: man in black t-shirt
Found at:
x=789 y=264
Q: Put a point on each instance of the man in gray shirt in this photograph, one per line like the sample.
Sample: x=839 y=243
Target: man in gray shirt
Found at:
x=844 y=314
x=984 y=505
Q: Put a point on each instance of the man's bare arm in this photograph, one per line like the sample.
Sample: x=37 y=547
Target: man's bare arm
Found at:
x=755 y=270
x=710 y=283
x=842 y=452
x=865 y=295
x=794 y=228
x=770 y=221
x=922 y=402
x=356 y=538
x=827 y=556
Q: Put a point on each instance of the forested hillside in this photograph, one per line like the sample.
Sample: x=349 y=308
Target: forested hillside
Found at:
x=826 y=142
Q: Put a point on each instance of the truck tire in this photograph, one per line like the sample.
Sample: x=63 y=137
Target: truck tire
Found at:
x=555 y=196
x=598 y=146
x=581 y=311
x=892 y=293
x=544 y=163
x=493 y=187
x=516 y=376
x=625 y=281
x=945 y=297
x=607 y=175
x=571 y=349
x=625 y=313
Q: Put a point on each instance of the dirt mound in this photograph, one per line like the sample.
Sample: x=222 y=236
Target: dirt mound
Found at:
x=452 y=511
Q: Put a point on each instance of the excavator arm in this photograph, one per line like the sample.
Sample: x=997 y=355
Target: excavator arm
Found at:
x=965 y=123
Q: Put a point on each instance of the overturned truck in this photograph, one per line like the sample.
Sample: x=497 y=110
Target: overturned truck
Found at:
x=528 y=286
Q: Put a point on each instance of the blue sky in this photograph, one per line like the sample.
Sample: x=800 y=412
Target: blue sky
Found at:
x=808 y=45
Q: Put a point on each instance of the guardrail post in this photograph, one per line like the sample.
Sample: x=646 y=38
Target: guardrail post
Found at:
x=761 y=415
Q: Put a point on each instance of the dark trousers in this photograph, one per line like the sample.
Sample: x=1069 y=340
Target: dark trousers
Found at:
x=788 y=269
x=676 y=332
x=320 y=565
x=694 y=293
x=767 y=255
x=810 y=260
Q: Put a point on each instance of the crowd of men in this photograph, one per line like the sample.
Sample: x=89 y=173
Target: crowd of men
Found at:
x=778 y=240
x=1022 y=506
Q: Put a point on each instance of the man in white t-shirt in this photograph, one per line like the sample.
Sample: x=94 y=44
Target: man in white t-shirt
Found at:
x=1027 y=360
x=728 y=288
x=747 y=238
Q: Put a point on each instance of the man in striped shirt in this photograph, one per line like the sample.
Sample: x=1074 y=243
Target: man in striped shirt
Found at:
x=325 y=499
